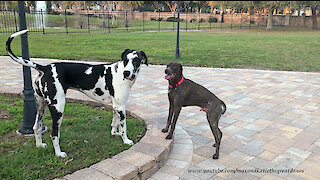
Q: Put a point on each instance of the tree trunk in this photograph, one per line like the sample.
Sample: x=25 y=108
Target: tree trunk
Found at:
x=314 y=17
x=270 y=19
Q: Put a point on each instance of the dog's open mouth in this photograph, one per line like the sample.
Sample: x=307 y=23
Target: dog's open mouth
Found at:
x=169 y=76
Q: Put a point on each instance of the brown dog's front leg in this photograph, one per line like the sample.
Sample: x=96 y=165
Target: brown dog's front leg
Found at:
x=169 y=119
x=173 y=125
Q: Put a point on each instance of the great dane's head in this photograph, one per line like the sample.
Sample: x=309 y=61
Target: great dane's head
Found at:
x=132 y=61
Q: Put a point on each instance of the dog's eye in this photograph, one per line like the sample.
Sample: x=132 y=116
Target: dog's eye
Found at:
x=136 y=61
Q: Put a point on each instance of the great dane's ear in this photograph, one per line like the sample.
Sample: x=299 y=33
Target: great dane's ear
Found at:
x=124 y=54
x=143 y=55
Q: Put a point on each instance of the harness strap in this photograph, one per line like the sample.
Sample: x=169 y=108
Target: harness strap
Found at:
x=176 y=85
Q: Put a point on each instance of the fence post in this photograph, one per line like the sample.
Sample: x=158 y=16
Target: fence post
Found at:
x=10 y=20
x=103 y=21
x=221 y=20
x=15 y=20
x=199 y=21
x=231 y=20
x=65 y=18
x=174 y=15
x=240 y=20
x=108 y=17
x=42 y=20
x=143 y=21
x=187 y=20
x=5 y=21
x=159 y=21
x=249 y=20
x=258 y=20
x=127 y=24
x=88 y=20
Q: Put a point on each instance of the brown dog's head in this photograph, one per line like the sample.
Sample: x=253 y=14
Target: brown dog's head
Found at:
x=173 y=71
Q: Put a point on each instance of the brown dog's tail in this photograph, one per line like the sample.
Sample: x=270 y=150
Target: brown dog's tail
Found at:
x=224 y=107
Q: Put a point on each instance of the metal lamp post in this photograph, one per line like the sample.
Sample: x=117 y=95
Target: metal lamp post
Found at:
x=178 y=29
x=29 y=106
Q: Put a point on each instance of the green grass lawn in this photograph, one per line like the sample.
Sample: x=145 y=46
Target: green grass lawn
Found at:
x=297 y=50
x=85 y=137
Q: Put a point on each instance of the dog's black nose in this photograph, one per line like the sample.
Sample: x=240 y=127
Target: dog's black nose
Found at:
x=166 y=71
x=126 y=74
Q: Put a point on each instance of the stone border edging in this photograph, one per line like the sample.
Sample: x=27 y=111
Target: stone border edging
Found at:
x=141 y=161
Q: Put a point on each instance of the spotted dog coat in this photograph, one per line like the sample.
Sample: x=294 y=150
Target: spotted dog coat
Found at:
x=100 y=82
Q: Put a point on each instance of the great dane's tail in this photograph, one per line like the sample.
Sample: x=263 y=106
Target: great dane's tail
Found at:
x=20 y=60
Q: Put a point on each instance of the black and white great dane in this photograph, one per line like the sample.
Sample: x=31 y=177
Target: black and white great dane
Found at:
x=100 y=82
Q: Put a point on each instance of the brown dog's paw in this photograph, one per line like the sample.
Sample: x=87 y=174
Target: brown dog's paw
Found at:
x=164 y=130
x=169 y=137
x=215 y=156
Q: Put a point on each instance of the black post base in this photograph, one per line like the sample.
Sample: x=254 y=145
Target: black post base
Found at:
x=28 y=132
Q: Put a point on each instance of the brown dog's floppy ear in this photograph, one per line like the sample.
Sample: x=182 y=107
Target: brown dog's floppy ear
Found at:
x=143 y=55
x=180 y=66
x=123 y=55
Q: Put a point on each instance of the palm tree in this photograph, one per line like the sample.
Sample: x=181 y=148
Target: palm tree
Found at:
x=172 y=6
x=212 y=5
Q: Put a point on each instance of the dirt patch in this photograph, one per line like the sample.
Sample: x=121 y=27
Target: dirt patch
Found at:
x=11 y=140
x=4 y=115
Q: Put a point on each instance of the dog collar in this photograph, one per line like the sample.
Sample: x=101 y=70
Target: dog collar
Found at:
x=176 y=85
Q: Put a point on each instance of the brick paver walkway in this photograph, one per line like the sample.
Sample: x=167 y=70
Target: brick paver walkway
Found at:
x=272 y=121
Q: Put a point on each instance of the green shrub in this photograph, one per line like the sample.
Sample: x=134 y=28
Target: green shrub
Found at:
x=54 y=13
x=212 y=20
x=202 y=20
x=152 y=18
x=193 y=20
x=172 y=19
x=160 y=19
x=70 y=13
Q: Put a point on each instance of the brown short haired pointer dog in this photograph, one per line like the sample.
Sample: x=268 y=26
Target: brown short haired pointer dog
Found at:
x=184 y=92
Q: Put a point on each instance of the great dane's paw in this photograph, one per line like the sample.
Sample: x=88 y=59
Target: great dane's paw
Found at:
x=128 y=141
x=42 y=145
x=164 y=130
x=61 y=154
x=169 y=136
x=113 y=133
x=215 y=156
x=214 y=145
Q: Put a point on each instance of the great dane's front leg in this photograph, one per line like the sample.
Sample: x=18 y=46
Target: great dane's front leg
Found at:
x=37 y=128
x=121 y=112
x=115 y=124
